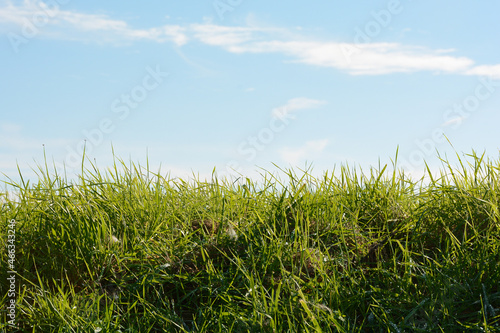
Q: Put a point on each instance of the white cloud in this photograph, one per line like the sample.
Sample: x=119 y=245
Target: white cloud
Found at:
x=218 y=35
x=485 y=70
x=380 y=58
x=15 y=15
x=355 y=59
x=295 y=104
x=310 y=149
x=59 y=23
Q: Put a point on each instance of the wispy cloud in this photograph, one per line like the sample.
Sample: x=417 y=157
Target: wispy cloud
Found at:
x=295 y=104
x=354 y=59
x=52 y=21
x=224 y=36
x=309 y=150
x=378 y=58
x=485 y=70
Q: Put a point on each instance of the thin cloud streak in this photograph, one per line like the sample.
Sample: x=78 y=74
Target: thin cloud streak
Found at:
x=224 y=36
x=354 y=59
x=366 y=59
x=485 y=70
x=64 y=21
x=293 y=105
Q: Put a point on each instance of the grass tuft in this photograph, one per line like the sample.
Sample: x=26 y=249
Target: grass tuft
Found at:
x=128 y=250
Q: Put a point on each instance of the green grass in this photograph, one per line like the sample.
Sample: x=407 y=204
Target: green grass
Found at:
x=127 y=250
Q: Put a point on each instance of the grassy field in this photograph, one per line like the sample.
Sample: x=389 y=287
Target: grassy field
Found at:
x=127 y=250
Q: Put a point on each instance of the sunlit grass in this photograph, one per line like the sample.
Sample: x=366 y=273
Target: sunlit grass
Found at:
x=127 y=250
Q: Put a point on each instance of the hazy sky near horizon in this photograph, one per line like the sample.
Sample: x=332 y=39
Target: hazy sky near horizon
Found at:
x=239 y=85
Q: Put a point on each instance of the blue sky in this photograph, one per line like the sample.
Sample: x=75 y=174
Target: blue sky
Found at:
x=239 y=85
